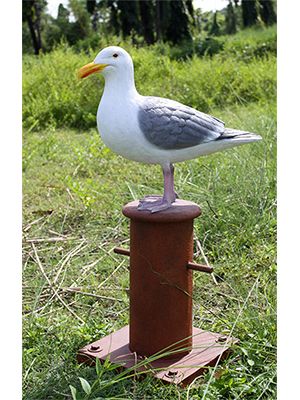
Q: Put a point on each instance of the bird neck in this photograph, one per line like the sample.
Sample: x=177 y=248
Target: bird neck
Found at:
x=120 y=85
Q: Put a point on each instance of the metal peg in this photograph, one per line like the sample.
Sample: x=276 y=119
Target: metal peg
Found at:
x=199 y=267
x=190 y=265
x=123 y=252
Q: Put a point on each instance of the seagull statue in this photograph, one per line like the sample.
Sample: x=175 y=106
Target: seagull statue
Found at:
x=153 y=130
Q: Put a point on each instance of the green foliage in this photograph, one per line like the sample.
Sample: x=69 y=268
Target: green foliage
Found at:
x=230 y=19
x=251 y=43
x=141 y=22
x=33 y=14
x=178 y=24
x=129 y=16
x=249 y=12
x=236 y=191
x=74 y=188
x=53 y=97
x=147 y=20
x=215 y=28
x=245 y=45
x=267 y=12
x=209 y=46
x=26 y=39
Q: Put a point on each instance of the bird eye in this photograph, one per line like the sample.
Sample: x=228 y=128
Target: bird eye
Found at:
x=115 y=55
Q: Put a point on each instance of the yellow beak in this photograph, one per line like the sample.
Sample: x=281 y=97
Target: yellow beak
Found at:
x=89 y=69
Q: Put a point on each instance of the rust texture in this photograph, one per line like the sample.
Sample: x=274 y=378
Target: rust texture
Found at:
x=161 y=246
x=190 y=265
x=208 y=349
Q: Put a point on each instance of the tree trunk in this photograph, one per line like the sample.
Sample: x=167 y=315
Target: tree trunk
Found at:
x=37 y=24
x=230 y=19
x=146 y=11
x=249 y=12
x=158 y=20
x=33 y=36
x=266 y=11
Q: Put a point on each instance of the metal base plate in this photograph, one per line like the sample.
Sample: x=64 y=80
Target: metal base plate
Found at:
x=208 y=349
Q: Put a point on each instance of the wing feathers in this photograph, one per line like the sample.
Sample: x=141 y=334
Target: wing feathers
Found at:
x=171 y=125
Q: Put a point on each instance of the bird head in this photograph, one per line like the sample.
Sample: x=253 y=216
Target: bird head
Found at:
x=109 y=61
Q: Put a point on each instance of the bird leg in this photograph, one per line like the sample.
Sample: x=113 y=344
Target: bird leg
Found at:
x=159 y=203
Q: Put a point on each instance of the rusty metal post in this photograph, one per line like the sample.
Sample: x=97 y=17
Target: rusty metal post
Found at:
x=161 y=246
x=161 y=268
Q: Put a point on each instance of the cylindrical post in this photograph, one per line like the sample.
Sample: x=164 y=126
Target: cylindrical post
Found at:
x=161 y=245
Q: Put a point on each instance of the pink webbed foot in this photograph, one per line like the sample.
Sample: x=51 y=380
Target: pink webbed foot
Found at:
x=154 y=204
x=150 y=198
x=149 y=202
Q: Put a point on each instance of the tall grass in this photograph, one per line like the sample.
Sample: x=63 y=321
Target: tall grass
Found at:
x=53 y=97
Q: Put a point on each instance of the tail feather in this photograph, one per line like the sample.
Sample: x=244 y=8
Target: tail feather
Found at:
x=240 y=136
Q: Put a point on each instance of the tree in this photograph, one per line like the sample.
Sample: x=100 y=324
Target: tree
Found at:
x=162 y=16
x=190 y=9
x=168 y=19
x=198 y=18
x=81 y=28
x=249 y=12
x=63 y=13
x=158 y=20
x=113 y=23
x=62 y=19
x=129 y=16
x=147 y=18
x=266 y=12
x=215 y=28
x=178 y=24
x=91 y=6
x=230 y=19
x=31 y=13
x=56 y=29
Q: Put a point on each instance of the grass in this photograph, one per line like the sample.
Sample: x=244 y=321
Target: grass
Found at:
x=54 y=98
x=74 y=188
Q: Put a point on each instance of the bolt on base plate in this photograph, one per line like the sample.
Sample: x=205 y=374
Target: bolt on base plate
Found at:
x=208 y=349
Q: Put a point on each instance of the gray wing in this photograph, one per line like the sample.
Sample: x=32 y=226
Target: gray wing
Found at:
x=170 y=125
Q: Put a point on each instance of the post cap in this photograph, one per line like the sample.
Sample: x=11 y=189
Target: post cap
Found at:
x=180 y=210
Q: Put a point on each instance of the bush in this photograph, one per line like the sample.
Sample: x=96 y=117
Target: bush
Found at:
x=251 y=43
x=209 y=46
x=53 y=97
x=245 y=45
